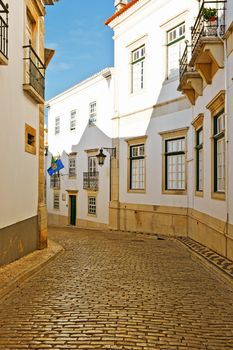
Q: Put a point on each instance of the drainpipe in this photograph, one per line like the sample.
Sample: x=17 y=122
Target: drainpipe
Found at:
x=226 y=132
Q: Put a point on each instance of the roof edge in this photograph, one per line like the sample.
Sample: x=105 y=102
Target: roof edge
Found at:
x=120 y=12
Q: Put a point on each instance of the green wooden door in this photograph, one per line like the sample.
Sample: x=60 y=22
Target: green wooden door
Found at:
x=73 y=210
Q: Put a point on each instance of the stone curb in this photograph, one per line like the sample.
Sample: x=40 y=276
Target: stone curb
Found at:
x=218 y=264
x=13 y=274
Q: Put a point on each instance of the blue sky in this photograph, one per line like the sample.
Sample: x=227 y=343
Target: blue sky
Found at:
x=83 y=44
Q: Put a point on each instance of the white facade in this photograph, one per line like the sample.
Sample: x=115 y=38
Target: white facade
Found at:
x=21 y=115
x=152 y=112
x=91 y=101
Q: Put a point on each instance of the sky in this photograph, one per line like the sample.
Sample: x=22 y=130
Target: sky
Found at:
x=83 y=44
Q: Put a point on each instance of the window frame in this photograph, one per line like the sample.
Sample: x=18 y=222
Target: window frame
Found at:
x=30 y=147
x=92 y=114
x=142 y=69
x=57 y=125
x=56 y=194
x=172 y=154
x=218 y=135
x=173 y=42
x=73 y=119
x=199 y=147
x=137 y=141
x=91 y=196
x=216 y=107
x=71 y=159
x=169 y=136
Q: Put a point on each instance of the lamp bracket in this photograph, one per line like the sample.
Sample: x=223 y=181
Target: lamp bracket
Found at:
x=111 y=151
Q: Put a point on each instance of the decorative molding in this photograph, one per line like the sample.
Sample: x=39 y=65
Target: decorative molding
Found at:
x=217 y=103
x=198 y=121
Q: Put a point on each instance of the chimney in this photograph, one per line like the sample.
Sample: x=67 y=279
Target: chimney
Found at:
x=120 y=3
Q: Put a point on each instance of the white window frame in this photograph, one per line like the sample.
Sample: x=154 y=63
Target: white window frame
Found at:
x=138 y=69
x=175 y=168
x=199 y=159
x=219 y=152
x=72 y=166
x=92 y=113
x=56 y=200
x=57 y=126
x=92 y=205
x=73 y=120
x=92 y=164
x=175 y=42
x=137 y=167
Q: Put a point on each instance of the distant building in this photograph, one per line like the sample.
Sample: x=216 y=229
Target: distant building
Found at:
x=79 y=125
x=174 y=152
x=23 y=60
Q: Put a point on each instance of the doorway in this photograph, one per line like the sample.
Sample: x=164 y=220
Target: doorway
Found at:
x=72 y=200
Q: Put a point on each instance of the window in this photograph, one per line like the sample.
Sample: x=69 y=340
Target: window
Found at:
x=199 y=159
x=138 y=69
x=92 y=165
x=175 y=164
x=92 y=205
x=216 y=107
x=30 y=139
x=137 y=167
x=72 y=166
x=55 y=181
x=175 y=49
x=57 y=125
x=219 y=152
x=56 y=200
x=73 y=120
x=92 y=113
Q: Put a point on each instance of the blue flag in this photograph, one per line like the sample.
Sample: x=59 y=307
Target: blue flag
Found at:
x=55 y=167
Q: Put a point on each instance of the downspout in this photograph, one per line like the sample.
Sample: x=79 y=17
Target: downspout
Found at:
x=226 y=133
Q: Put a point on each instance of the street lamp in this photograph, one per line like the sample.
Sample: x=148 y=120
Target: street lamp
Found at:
x=101 y=156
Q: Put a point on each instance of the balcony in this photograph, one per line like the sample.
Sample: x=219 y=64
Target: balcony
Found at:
x=202 y=59
x=91 y=181
x=207 y=45
x=55 y=182
x=3 y=33
x=34 y=75
x=191 y=83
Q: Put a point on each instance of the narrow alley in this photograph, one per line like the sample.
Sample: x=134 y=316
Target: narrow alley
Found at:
x=118 y=291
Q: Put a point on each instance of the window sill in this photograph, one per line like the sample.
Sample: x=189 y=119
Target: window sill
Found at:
x=175 y=192
x=136 y=191
x=3 y=60
x=199 y=194
x=72 y=177
x=92 y=215
x=218 y=195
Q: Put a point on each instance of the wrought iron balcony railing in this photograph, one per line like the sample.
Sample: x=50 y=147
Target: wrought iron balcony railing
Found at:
x=34 y=70
x=4 y=29
x=55 y=182
x=210 y=21
x=91 y=181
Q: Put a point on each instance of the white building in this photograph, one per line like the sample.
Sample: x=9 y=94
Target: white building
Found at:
x=23 y=60
x=79 y=125
x=174 y=176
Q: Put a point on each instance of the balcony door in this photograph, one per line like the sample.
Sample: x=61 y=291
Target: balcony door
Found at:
x=92 y=165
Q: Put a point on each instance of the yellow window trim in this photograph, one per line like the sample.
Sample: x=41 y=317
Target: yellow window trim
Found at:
x=30 y=148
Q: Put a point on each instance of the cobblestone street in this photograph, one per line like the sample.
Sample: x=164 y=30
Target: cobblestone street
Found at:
x=118 y=291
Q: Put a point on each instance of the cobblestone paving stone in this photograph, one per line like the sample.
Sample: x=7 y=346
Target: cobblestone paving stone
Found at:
x=118 y=291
